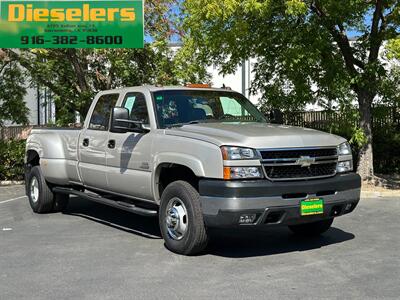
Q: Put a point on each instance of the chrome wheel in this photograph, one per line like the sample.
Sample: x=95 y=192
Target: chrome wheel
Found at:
x=176 y=219
x=34 y=188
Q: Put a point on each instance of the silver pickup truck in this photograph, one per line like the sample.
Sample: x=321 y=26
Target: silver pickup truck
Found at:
x=198 y=158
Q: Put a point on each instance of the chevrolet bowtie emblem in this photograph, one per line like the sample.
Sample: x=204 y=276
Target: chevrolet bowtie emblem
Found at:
x=305 y=161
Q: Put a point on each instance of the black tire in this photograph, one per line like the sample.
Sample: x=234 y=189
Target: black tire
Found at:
x=44 y=201
x=312 y=229
x=195 y=238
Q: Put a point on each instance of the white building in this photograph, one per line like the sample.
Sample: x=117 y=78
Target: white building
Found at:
x=41 y=107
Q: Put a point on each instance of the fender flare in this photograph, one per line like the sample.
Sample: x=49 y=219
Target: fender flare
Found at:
x=189 y=161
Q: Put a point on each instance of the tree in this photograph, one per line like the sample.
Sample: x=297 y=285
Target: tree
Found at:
x=304 y=51
x=12 y=91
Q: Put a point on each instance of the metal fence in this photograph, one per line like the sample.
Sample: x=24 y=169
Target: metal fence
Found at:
x=325 y=120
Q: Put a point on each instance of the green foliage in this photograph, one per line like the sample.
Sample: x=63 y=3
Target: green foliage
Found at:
x=296 y=42
x=387 y=149
x=294 y=54
x=393 y=48
x=12 y=92
x=390 y=88
x=12 y=160
x=358 y=138
x=187 y=68
x=296 y=7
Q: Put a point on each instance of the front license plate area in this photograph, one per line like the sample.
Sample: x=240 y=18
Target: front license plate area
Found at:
x=312 y=206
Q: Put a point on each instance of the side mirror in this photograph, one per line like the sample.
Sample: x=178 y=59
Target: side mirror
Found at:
x=118 y=116
x=120 y=122
x=276 y=116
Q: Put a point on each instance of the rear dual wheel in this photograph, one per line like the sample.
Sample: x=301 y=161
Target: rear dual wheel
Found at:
x=41 y=198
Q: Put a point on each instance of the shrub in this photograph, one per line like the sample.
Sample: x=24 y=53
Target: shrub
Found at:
x=12 y=160
x=386 y=145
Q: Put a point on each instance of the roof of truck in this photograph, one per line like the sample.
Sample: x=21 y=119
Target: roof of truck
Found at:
x=153 y=88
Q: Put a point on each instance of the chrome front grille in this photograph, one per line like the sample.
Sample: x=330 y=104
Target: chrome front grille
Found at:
x=299 y=164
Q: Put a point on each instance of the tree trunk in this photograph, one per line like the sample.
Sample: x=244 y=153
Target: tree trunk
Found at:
x=365 y=166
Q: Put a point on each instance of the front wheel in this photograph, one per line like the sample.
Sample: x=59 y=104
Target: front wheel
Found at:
x=312 y=229
x=181 y=219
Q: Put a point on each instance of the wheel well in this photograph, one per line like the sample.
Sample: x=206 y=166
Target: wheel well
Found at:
x=32 y=158
x=168 y=173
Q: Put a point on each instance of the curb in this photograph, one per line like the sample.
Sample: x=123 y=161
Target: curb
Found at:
x=8 y=183
x=371 y=194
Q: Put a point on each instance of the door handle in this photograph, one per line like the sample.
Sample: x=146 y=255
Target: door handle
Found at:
x=111 y=144
x=85 y=142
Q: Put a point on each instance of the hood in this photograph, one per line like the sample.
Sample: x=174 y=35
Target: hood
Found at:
x=257 y=135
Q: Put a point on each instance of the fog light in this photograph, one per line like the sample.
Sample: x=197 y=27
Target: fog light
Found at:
x=242 y=173
x=348 y=206
x=345 y=166
x=247 y=219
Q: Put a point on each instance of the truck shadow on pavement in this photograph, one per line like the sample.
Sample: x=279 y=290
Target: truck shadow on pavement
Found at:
x=113 y=217
x=231 y=243
x=270 y=241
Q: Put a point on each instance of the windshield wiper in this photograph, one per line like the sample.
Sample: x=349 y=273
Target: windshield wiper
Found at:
x=183 y=124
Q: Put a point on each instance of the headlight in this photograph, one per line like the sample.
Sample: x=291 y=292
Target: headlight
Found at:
x=238 y=153
x=345 y=163
x=242 y=173
x=344 y=149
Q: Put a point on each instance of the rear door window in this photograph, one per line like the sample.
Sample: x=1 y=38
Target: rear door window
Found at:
x=100 y=119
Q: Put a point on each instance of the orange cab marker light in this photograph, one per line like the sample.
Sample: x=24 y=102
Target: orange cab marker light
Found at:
x=227 y=173
x=224 y=153
x=198 y=86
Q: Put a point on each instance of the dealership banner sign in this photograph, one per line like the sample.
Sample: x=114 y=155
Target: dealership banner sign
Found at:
x=71 y=24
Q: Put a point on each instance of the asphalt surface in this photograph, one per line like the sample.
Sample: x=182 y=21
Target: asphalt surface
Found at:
x=96 y=252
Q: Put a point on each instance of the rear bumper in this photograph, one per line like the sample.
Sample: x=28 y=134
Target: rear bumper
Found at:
x=273 y=203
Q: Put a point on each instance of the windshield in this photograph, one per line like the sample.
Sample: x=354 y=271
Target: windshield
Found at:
x=180 y=107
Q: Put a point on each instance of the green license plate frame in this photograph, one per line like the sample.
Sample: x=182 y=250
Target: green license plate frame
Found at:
x=312 y=207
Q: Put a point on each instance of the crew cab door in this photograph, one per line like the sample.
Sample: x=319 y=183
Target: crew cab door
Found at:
x=93 y=143
x=129 y=154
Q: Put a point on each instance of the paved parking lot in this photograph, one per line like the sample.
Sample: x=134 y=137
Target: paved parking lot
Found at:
x=96 y=252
